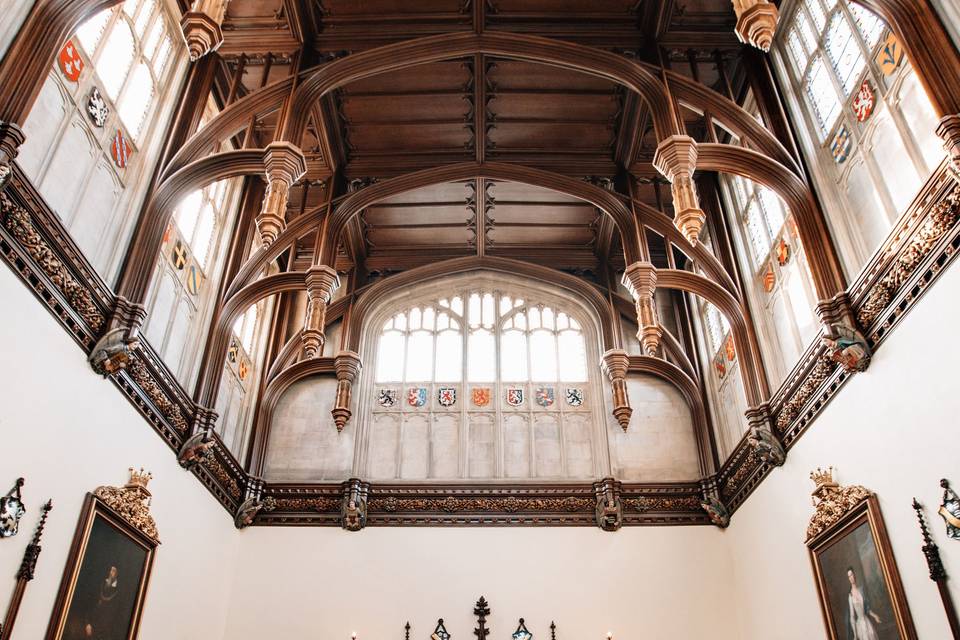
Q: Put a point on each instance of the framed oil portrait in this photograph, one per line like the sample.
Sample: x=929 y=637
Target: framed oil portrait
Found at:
x=105 y=581
x=857 y=580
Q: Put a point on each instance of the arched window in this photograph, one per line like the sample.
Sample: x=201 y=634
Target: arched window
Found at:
x=96 y=128
x=865 y=121
x=510 y=366
x=188 y=263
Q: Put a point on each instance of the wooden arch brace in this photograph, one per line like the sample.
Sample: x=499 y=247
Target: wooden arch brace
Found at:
x=201 y=27
x=640 y=279
x=321 y=282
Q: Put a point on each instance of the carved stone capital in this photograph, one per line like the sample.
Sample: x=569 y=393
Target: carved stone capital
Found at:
x=845 y=344
x=609 y=507
x=285 y=164
x=201 y=32
x=756 y=22
x=615 y=364
x=676 y=159
x=949 y=130
x=353 y=505
x=116 y=347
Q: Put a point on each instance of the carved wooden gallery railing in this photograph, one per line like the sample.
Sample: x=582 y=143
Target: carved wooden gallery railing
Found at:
x=36 y=246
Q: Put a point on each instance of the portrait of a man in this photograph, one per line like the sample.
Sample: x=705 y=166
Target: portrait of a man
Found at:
x=108 y=585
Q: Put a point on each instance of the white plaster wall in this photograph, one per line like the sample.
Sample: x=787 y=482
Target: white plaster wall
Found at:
x=67 y=431
x=892 y=429
x=651 y=582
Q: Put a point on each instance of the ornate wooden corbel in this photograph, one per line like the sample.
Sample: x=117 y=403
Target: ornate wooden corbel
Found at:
x=761 y=437
x=845 y=343
x=609 y=509
x=756 y=22
x=321 y=282
x=347 y=364
x=11 y=137
x=615 y=364
x=676 y=159
x=353 y=505
x=252 y=504
x=115 y=348
x=285 y=164
x=640 y=278
x=949 y=130
x=201 y=26
x=711 y=503
x=200 y=444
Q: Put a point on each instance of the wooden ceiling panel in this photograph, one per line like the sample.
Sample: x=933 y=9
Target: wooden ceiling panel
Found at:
x=409 y=137
x=378 y=8
x=535 y=236
x=450 y=192
x=577 y=107
x=546 y=136
x=420 y=237
x=415 y=214
x=422 y=79
x=548 y=213
x=561 y=8
x=360 y=110
x=516 y=74
x=518 y=192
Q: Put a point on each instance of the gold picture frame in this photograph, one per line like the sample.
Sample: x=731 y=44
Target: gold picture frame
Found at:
x=108 y=569
x=859 y=587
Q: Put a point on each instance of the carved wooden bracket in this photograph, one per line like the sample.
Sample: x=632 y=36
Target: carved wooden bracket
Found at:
x=764 y=442
x=615 y=364
x=609 y=508
x=949 y=130
x=285 y=164
x=347 y=365
x=353 y=505
x=756 y=22
x=640 y=278
x=676 y=159
x=321 y=282
x=845 y=344
x=201 y=27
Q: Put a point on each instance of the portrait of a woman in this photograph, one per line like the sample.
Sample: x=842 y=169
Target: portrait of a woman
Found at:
x=860 y=617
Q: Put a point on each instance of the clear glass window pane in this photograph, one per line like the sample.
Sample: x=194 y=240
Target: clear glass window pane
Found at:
x=390 y=357
x=187 y=212
x=513 y=356
x=136 y=100
x=481 y=356
x=543 y=356
x=773 y=209
x=823 y=97
x=150 y=44
x=203 y=237
x=91 y=31
x=817 y=13
x=759 y=238
x=115 y=61
x=573 y=357
x=871 y=27
x=844 y=52
x=420 y=357
x=449 y=365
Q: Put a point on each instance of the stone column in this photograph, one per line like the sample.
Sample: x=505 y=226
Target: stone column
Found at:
x=201 y=26
x=949 y=130
x=285 y=165
x=640 y=278
x=756 y=22
x=615 y=364
x=347 y=365
x=845 y=344
x=676 y=159
x=322 y=281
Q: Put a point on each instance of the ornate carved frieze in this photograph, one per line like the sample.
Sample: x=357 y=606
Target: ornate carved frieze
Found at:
x=832 y=501
x=132 y=502
x=824 y=366
x=18 y=222
x=170 y=410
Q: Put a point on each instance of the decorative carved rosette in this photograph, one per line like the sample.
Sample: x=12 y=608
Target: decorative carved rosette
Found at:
x=132 y=502
x=832 y=501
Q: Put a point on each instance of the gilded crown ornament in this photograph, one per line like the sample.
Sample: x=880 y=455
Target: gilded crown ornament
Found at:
x=139 y=479
x=132 y=501
x=831 y=500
